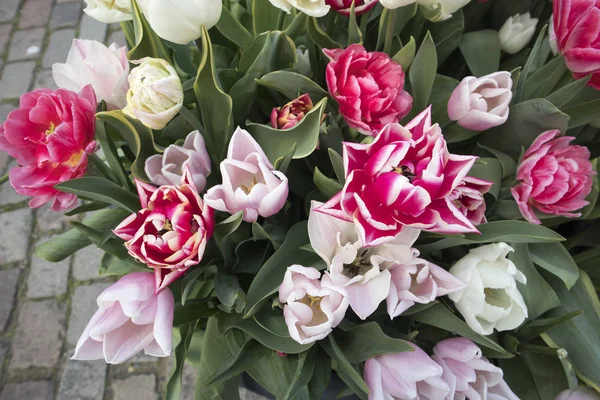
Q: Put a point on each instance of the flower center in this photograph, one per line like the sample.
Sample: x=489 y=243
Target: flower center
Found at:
x=314 y=302
x=406 y=171
x=74 y=160
x=248 y=188
x=167 y=227
x=360 y=266
x=50 y=129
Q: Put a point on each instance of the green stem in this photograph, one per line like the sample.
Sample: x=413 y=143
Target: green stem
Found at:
x=532 y=348
x=280 y=20
x=331 y=22
x=227 y=4
x=3 y=178
x=389 y=32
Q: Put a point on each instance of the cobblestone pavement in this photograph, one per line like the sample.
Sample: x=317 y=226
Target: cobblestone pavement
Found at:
x=44 y=307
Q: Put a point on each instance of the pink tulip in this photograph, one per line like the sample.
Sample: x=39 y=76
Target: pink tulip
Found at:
x=404 y=178
x=479 y=104
x=408 y=375
x=343 y=6
x=166 y=169
x=170 y=233
x=131 y=318
x=292 y=113
x=313 y=307
x=555 y=177
x=368 y=86
x=576 y=25
x=418 y=282
x=468 y=198
x=468 y=374
x=91 y=63
x=50 y=135
x=580 y=393
x=250 y=183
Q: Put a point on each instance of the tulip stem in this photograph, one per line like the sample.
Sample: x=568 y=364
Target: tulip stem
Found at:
x=227 y=4
x=280 y=20
x=331 y=23
x=389 y=32
x=3 y=178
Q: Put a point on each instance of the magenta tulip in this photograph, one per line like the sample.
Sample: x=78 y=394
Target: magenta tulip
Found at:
x=343 y=6
x=292 y=113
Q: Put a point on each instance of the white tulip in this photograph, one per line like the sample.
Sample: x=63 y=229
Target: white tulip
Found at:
x=491 y=298
x=181 y=21
x=552 y=37
x=517 y=32
x=109 y=11
x=155 y=93
x=391 y=4
x=313 y=8
x=437 y=10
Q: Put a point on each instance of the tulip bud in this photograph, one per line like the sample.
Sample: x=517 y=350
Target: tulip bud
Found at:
x=155 y=93
x=292 y=113
x=517 y=32
x=343 y=6
x=109 y=11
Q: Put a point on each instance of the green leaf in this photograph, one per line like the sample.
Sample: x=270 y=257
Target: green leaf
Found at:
x=111 y=154
x=582 y=114
x=406 y=55
x=554 y=258
x=529 y=66
x=533 y=329
x=215 y=105
x=111 y=265
x=264 y=16
x=321 y=375
x=147 y=43
x=174 y=384
x=319 y=36
x=443 y=87
x=354 y=33
x=276 y=143
x=226 y=227
x=354 y=381
x=101 y=189
x=548 y=374
x=541 y=83
x=489 y=169
x=193 y=310
x=447 y=35
x=276 y=374
x=337 y=163
x=509 y=166
x=519 y=378
x=422 y=74
x=327 y=186
x=303 y=373
x=227 y=288
x=291 y=84
x=356 y=349
x=233 y=30
x=298 y=26
x=481 y=50
x=565 y=94
x=283 y=163
x=87 y=207
x=248 y=356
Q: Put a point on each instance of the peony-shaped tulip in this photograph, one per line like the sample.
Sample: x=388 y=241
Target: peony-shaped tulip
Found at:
x=555 y=177
x=404 y=178
x=362 y=271
x=312 y=8
x=435 y=10
x=481 y=103
x=468 y=374
x=418 y=282
x=491 y=299
x=368 y=86
x=579 y=393
x=109 y=11
x=577 y=37
x=167 y=169
x=50 y=135
x=91 y=63
x=343 y=6
x=131 y=317
x=468 y=198
x=517 y=32
x=170 y=233
x=292 y=113
x=407 y=375
x=155 y=93
x=313 y=307
x=250 y=183
x=181 y=21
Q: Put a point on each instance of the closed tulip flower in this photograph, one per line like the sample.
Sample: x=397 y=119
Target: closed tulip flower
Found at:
x=517 y=32
x=109 y=11
x=292 y=113
x=468 y=198
x=479 y=104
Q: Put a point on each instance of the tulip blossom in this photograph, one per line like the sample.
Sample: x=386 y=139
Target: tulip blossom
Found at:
x=576 y=30
x=468 y=198
x=313 y=307
x=405 y=177
x=167 y=169
x=418 y=282
x=362 y=271
x=181 y=21
x=170 y=233
x=50 y=135
x=407 y=375
x=109 y=11
x=468 y=374
x=368 y=86
x=552 y=37
x=292 y=113
x=554 y=177
x=436 y=10
x=491 y=299
x=250 y=183
x=312 y=8
x=579 y=393
x=155 y=93
x=343 y=6
x=91 y=63
x=131 y=317
x=479 y=104
x=517 y=32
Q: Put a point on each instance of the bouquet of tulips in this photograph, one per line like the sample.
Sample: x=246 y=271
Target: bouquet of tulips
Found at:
x=398 y=198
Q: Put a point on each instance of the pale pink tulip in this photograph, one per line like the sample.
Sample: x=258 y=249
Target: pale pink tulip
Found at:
x=313 y=307
x=580 y=393
x=479 y=104
x=167 y=169
x=468 y=198
x=91 y=63
x=131 y=318
x=250 y=183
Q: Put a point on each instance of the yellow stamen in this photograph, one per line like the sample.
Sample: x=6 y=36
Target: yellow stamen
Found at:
x=50 y=129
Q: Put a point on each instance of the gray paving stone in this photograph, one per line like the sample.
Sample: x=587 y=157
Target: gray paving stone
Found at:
x=248 y=395
x=117 y=37
x=83 y=306
x=4 y=157
x=65 y=14
x=82 y=380
x=48 y=220
x=39 y=336
x=58 y=47
x=5 y=109
x=33 y=390
x=47 y=279
x=86 y=263
x=3 y=351
x=8 y=195
x=9 y=280
x=8 y=9
x=4 y=36
x=44 y=79
x=35 y=13
x=137 y=387
x=188 y=382
x=91 y=29
x=26 y=44
x=16 y=79
x=14 y=235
